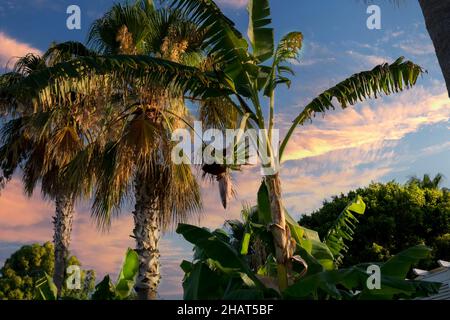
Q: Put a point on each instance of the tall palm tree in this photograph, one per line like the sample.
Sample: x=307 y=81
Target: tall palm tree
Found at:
x=131 y=146
x=245 y=78
x=138 y=156
x=42 y=142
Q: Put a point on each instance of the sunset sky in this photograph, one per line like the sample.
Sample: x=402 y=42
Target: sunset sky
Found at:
x=389 y=138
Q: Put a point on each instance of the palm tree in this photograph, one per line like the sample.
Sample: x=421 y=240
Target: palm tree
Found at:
x=427 y=182
x=42 y=142
x=138 y=156
x=242 y=77
x=130 y=148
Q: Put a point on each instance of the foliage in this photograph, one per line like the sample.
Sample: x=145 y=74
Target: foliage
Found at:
x=105 y=289
x=239 y=264
x=351 y=283
x=29 y=267
x=218 y=270
x=397 y=217
x=427 y=182
x=344 y=228
x=123 y=288
x=234 y=70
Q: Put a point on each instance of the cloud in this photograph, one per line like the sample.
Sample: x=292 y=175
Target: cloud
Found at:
x=368 y=60
x=17 y=210
x=306 y=193
x=364 y=124
x=413 y=48
x=415 y=42
x=11 y=48
x=314 y=53
x=435 y=149
x=233 y=3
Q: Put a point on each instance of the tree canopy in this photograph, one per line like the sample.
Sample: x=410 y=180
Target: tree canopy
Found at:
x=397 y=217
x=31 y=263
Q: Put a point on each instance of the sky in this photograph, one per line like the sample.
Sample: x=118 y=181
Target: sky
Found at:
x=391 y=138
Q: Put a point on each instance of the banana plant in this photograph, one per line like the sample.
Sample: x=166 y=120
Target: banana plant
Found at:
x=240 y=264
x=105 y=290
x=123 y=288
x=253 y=70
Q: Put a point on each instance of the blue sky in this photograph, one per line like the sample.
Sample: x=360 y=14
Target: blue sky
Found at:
x=390 y=138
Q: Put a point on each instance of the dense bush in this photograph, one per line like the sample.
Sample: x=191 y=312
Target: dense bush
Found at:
x=31 y=263
x=397 y=217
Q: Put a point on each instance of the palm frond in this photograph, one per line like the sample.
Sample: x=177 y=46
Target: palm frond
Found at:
x=29 y=63
x=55 y=85
x=113 y=185
x=103 y=35
x=222 y=42
x=65 y=51
x=183 y=196
x=14 y=148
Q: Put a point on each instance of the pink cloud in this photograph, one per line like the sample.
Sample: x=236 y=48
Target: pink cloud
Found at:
x=17 y=210
x=360 y=125
x=11 y=48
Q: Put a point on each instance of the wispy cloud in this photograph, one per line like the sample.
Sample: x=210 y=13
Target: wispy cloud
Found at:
x=355 y=127
x=417 y=49
x=11 y=48
x=233 y=3
x=17 y=210
x=367 y=60
x=314 y=53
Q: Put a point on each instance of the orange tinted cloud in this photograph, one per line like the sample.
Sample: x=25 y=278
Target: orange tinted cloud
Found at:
x=357 y=126
x=11 y=48
x=17 y=210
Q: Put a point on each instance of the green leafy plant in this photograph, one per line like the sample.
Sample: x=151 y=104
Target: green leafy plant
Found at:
x=123 y=288
x=244 y=74
x=28 y=269
x=240 y=263
x=105 y=290
x=46 y=289
x=415 y=214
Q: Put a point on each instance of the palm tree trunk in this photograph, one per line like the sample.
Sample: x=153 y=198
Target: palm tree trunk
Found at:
x=280 y=231
x=62 y=222
x=147 y=232
x=437 y=19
